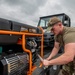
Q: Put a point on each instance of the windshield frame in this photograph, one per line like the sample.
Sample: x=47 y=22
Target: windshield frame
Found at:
x=44 y=21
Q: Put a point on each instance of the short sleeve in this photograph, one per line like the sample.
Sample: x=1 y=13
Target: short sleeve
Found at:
x=69 y=38
x=58 y=38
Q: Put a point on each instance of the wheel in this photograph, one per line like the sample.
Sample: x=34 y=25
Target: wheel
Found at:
x=54 y=70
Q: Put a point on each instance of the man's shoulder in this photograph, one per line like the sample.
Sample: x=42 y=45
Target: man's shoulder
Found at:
x=68 y=30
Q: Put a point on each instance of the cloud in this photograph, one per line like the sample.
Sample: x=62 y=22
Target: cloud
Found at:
x=69 y=9
x=27 y=6
x=20 y=10
x=28 y=12
x=59 y=6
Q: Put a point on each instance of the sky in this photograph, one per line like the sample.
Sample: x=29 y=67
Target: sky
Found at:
x=29 y=11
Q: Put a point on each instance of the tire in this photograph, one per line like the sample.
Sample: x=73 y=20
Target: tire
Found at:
x=52 y=71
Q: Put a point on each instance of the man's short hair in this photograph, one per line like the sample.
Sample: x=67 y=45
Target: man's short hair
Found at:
x=52 y=22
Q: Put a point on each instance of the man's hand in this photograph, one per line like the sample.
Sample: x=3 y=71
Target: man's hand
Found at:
x=45 y=62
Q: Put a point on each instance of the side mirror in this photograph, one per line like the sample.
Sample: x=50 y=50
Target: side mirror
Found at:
x=66 y=23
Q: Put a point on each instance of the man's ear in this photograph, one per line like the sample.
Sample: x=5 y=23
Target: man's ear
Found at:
x=60 y=24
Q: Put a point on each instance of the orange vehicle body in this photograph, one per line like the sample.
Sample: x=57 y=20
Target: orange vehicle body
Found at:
x=23 y=43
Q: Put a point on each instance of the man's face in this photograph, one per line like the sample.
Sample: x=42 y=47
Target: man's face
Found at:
x=56 y=29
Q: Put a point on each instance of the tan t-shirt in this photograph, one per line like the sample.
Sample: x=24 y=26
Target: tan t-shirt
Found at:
x=68 y=36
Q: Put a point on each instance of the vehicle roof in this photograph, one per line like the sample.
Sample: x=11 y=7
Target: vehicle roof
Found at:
x=54 y=15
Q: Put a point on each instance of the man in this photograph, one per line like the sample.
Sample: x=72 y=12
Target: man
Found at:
x=64 y=36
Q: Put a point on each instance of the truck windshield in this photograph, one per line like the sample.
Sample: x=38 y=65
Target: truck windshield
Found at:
x=44 y=21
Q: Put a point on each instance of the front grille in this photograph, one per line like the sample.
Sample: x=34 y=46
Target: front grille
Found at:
x=16 y=64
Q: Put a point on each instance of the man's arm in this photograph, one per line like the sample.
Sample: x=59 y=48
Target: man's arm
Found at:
x=65 y=58
x=54 y=51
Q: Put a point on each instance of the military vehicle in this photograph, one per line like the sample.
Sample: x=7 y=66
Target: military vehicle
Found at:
x=20 y=45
